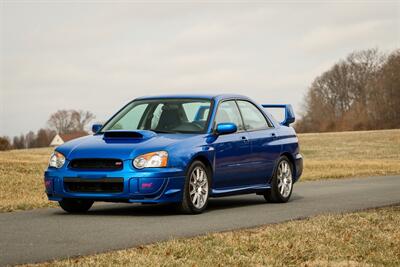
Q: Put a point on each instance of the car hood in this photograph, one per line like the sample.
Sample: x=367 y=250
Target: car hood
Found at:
x=98 y=146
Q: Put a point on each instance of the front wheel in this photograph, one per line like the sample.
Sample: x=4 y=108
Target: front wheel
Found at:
x=282 y=182
x=75 y=205
x=196 y=189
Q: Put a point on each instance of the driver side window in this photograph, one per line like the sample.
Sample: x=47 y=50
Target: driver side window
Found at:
x=229 y=112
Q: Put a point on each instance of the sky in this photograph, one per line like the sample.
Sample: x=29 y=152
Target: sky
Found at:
x=99 y=55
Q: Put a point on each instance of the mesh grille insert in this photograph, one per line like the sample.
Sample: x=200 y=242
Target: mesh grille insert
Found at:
x=96 y=164
x=111 y=185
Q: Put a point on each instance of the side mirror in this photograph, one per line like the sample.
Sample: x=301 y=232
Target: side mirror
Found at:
x=226 y=128
x=96 y=127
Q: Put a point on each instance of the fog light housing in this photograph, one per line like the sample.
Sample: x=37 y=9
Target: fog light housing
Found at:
x=48 y=183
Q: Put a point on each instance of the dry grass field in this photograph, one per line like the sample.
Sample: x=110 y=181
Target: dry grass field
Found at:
x=328 y=155
x=350 y=154
x=21 y=179
x=368 y=238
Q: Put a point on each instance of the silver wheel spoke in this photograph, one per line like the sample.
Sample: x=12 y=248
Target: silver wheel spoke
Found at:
x=284 y=179
x=198 y=187
x=193 y=191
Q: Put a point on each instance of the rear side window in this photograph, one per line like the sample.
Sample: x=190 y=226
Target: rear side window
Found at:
x=252 y=116
x=229 y=112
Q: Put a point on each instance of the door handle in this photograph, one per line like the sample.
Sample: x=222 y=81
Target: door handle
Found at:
x=273 y=135
x=245 y=139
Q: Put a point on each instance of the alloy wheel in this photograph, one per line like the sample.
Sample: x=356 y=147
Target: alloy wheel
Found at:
x=285 y=179
x=198 y=187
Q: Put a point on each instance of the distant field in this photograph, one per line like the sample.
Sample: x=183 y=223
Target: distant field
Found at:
x=328 y=155
x=350 y=154
x=368 y=238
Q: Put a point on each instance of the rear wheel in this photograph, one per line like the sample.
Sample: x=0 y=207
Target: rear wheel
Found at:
x=75 y=205
x=282 y=182
x=196 y=190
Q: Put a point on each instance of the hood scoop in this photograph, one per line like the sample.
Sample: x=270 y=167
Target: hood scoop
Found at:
x=136 y=135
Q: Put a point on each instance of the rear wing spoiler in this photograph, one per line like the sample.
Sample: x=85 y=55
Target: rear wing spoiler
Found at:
x=289 y=113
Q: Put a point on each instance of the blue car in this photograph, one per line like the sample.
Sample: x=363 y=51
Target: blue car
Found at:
x=180 y=149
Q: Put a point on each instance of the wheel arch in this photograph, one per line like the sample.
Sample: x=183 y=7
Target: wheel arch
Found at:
x=291 y=159
x=204 y=159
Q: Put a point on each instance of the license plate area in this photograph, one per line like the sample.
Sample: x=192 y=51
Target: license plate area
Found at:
x=102 y=185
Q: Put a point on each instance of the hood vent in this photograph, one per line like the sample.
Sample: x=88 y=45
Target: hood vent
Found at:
x=123 y=134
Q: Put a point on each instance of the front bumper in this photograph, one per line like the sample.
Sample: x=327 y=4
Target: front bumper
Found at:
x=156 y=185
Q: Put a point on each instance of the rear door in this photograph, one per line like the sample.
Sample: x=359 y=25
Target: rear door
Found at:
x=231 y=150
x=265 y=147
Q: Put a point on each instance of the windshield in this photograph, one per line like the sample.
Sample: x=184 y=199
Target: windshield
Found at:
x=163 y=116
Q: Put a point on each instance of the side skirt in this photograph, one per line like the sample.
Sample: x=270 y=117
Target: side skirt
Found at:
x=260 y=188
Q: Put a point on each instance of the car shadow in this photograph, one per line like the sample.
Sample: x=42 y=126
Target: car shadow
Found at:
x=215 y=204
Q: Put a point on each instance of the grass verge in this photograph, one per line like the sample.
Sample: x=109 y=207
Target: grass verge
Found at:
x=350 y=154
x=327 y=155
x=367 y=238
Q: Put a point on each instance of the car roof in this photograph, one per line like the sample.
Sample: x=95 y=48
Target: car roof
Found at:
x=216 y=97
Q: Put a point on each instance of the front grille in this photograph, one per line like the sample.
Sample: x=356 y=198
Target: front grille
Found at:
x=106 y=185
x=96 y=164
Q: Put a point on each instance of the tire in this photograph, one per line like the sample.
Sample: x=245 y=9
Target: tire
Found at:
x=196 y=192
x=283 y=177
x=75 y=205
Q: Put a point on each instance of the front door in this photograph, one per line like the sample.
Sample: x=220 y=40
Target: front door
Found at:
x=231 y=150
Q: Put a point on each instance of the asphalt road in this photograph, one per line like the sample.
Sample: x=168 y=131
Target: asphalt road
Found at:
x=45 y=234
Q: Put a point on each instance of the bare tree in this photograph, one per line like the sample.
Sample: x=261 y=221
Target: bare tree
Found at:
x=5 y=143
x=44 y=137
x=61 y=121
x=30 y=139
x=68 y=121
x=385 y=94
x=81 y=119
x=342 y=97
x=19 y=142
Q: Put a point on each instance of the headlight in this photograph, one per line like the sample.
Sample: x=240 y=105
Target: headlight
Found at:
x=151 y=160
x=57 y=160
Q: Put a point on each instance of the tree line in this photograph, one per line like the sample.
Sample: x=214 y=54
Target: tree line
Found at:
x=361 y=92
x=60 y=122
